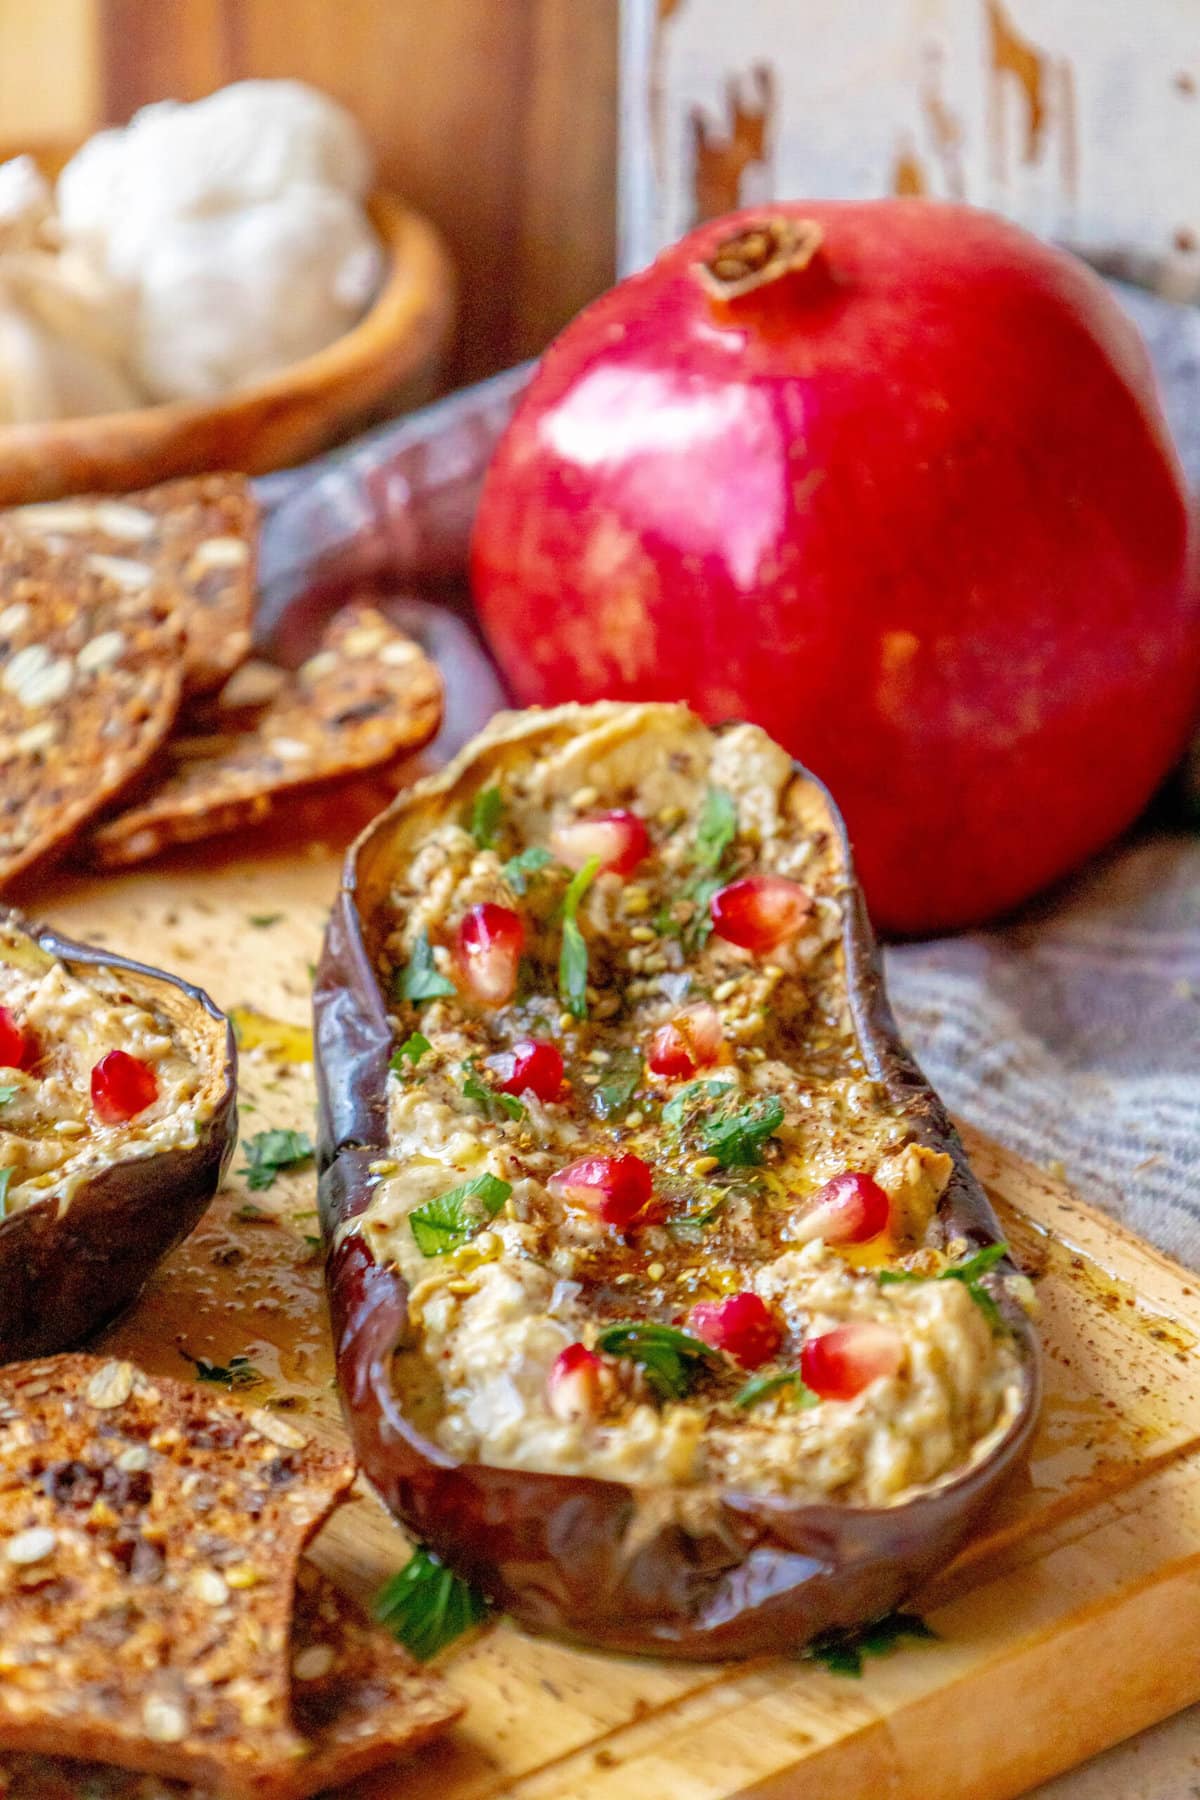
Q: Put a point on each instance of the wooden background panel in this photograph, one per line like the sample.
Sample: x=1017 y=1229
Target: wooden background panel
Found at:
x=497 y=117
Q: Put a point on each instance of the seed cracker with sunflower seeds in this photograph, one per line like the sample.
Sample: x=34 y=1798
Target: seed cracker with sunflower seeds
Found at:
x=149 y=1541
x=195 y=537
x=358 y=1701
x=367 y=695
x=90 y=685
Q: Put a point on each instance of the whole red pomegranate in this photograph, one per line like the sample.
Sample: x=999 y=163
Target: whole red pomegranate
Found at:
x=892 y=480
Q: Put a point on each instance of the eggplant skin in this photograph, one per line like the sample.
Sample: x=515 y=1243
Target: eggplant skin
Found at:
x=66 y=1271
x=595 y=1561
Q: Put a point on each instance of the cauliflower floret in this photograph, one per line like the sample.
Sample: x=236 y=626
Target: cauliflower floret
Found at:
x=235 y=229
x=231 y=298
x=245 y=144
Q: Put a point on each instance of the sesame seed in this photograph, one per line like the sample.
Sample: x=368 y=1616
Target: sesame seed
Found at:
x=565 y=1021
x=312 y=1662
x=242 y=1575
x=110 y=1386
x=208 y=1586
x=32 y=1546
x=642 y=934
x=598 y=1056
x=672 y=815
x=635 y=1117
x=636 y=900
x=163 y=1720
x=703 y=1165
x=584 y=796
x=726 y=989
x=656 y=1271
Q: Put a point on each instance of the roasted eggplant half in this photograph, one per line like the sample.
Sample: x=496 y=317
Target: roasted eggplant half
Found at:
x=117 y=1118
x=666 y=1307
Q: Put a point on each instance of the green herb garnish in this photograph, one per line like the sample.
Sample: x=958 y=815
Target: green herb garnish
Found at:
x=734 y=1135
x=249 y=1214
x=529 y=862
x=717 y=828
x=263 y=920
x=454 y=1218
x=239 y=1372
x=5 y=1178
x=494 y=1105
x=267 y=1152
x=671 y=1359
x=6 y=1094
x=411 y=1051
x=688 y=1098
x=760 y=1387
x=622 y=1078
x=427 y=1606
x=573 y=959
x=969 y=1271
x=487 y=810
x=737 y=1139
x=421 y=979
x=842 y=1652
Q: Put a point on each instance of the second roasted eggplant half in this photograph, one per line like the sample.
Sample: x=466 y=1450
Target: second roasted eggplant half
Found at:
x=117 y=1117
x=666 y=1306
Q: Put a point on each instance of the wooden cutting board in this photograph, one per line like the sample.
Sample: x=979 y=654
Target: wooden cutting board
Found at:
x=1069 y=1624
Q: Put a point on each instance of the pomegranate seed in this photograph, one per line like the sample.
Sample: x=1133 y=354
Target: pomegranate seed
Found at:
x=490 y=941
x=18 y=1048
x=619 y=839
x=844 y=1361
x=536 y=1068
x=577 y=1383
x=742 y=1326
x=689 y=1042
x=122 y=1086
x=614 y=1189
x=760 y=911
x=850 y=1209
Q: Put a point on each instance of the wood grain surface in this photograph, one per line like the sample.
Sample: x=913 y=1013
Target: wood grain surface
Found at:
x=1067 y=1625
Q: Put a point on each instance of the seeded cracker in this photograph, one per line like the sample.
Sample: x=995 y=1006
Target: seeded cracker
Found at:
x=358 y=1701
x=149 y=1539
x=367 y=695
x=89 y=687
x=195 y=537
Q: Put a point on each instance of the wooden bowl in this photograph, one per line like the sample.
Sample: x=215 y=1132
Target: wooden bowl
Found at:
x=387 y=363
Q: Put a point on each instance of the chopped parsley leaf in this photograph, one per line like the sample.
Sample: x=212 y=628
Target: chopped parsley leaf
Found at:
x=6 y=1094
x=717 y=828
x=249 y=1214
x=736 y=1139
x=5 y=1178
x=426 y=1606
x=573 y=958
x=760 y=1387
x=622 y=1078
x=494 y=1105
x=267 y=1152
x=263 y=920
x=421 y=979
x=529 y=862
x=454 y=1218
x=670 y=1359
x=690 y=1097
x=842 y=1652
x=734 y=1135
x=411 y=1051
x=487 y=809
x=239 y=1372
